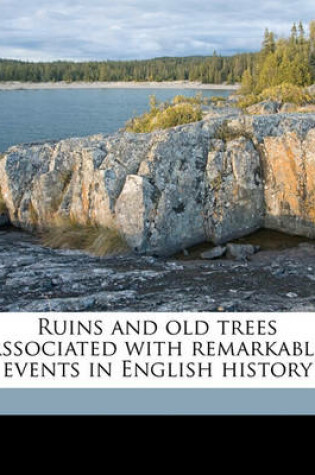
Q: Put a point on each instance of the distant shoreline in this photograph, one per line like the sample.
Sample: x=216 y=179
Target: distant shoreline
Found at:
x=14 y=86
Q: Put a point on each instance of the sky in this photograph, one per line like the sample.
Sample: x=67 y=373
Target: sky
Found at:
x=138 y=29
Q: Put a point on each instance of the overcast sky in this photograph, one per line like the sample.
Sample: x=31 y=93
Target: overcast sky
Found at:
x=125 y=29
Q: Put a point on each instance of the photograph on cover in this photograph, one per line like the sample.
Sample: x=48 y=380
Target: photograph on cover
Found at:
x=157 y=156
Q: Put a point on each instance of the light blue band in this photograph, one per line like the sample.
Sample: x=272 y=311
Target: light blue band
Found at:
x=157 y=401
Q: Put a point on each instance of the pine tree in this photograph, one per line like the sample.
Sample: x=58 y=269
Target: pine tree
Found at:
x=312 y=49
x=294 y=33
x=290 y=61
x=301 y=33
x=269 y=43
x=247 y=82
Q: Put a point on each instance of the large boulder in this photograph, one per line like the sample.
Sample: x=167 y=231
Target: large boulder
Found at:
x=215 y=180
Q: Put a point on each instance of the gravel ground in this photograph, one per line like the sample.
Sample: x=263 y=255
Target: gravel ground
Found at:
x=34 y=278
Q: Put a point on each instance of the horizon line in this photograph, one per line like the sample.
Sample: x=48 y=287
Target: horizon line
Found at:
x=154 y=58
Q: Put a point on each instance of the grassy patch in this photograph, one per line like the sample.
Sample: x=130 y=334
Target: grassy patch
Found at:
x=226 y=133
x=33 y=214
x=216 y=99
x=283 y=94
x=247 y=101
x=3 y=206
x=97 y=240
x=198 y=99
x=216 y=182
x=181 y=111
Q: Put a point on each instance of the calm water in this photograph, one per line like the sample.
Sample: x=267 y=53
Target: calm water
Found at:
x=30 y=116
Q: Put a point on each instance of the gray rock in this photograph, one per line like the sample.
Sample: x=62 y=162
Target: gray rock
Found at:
x=215 y=180
x=264 y=108
x=306 y=245
x=292 y=295
x=288 y=108
x=241 y=251
x=214 y=253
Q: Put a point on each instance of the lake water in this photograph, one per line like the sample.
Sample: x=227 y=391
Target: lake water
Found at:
x=36 y=115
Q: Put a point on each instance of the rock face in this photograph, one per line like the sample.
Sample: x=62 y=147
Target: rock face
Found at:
x=264 y=108
x=273 y=107
x=214 y=180
x=290 y=183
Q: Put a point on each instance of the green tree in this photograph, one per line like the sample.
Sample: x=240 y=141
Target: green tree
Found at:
x=247 y=82
x=269 y=43
x=290 y=61
x=312 y=49
x=294 y=33
x=301 y=33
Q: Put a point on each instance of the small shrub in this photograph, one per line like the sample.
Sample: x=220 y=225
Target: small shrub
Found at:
x=181 y=110
x=287 y=93
x=216 y=183
x=153 y=102
x=165 y=117
x=283 y=94
x=198 y=100
x=247 y=101
x=216 y=99
x=97 y=240
x=227 y=134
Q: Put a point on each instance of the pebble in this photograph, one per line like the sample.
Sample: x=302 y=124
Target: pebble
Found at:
x=214 y=253
x=292 y=295
x=241 y=251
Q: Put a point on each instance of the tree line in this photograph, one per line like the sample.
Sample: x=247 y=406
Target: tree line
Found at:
x=282 y=61
x=214 y=69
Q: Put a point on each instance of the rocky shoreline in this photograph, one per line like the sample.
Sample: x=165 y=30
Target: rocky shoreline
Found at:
x=14 y=86
x=34 y=278
x=211 y=182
